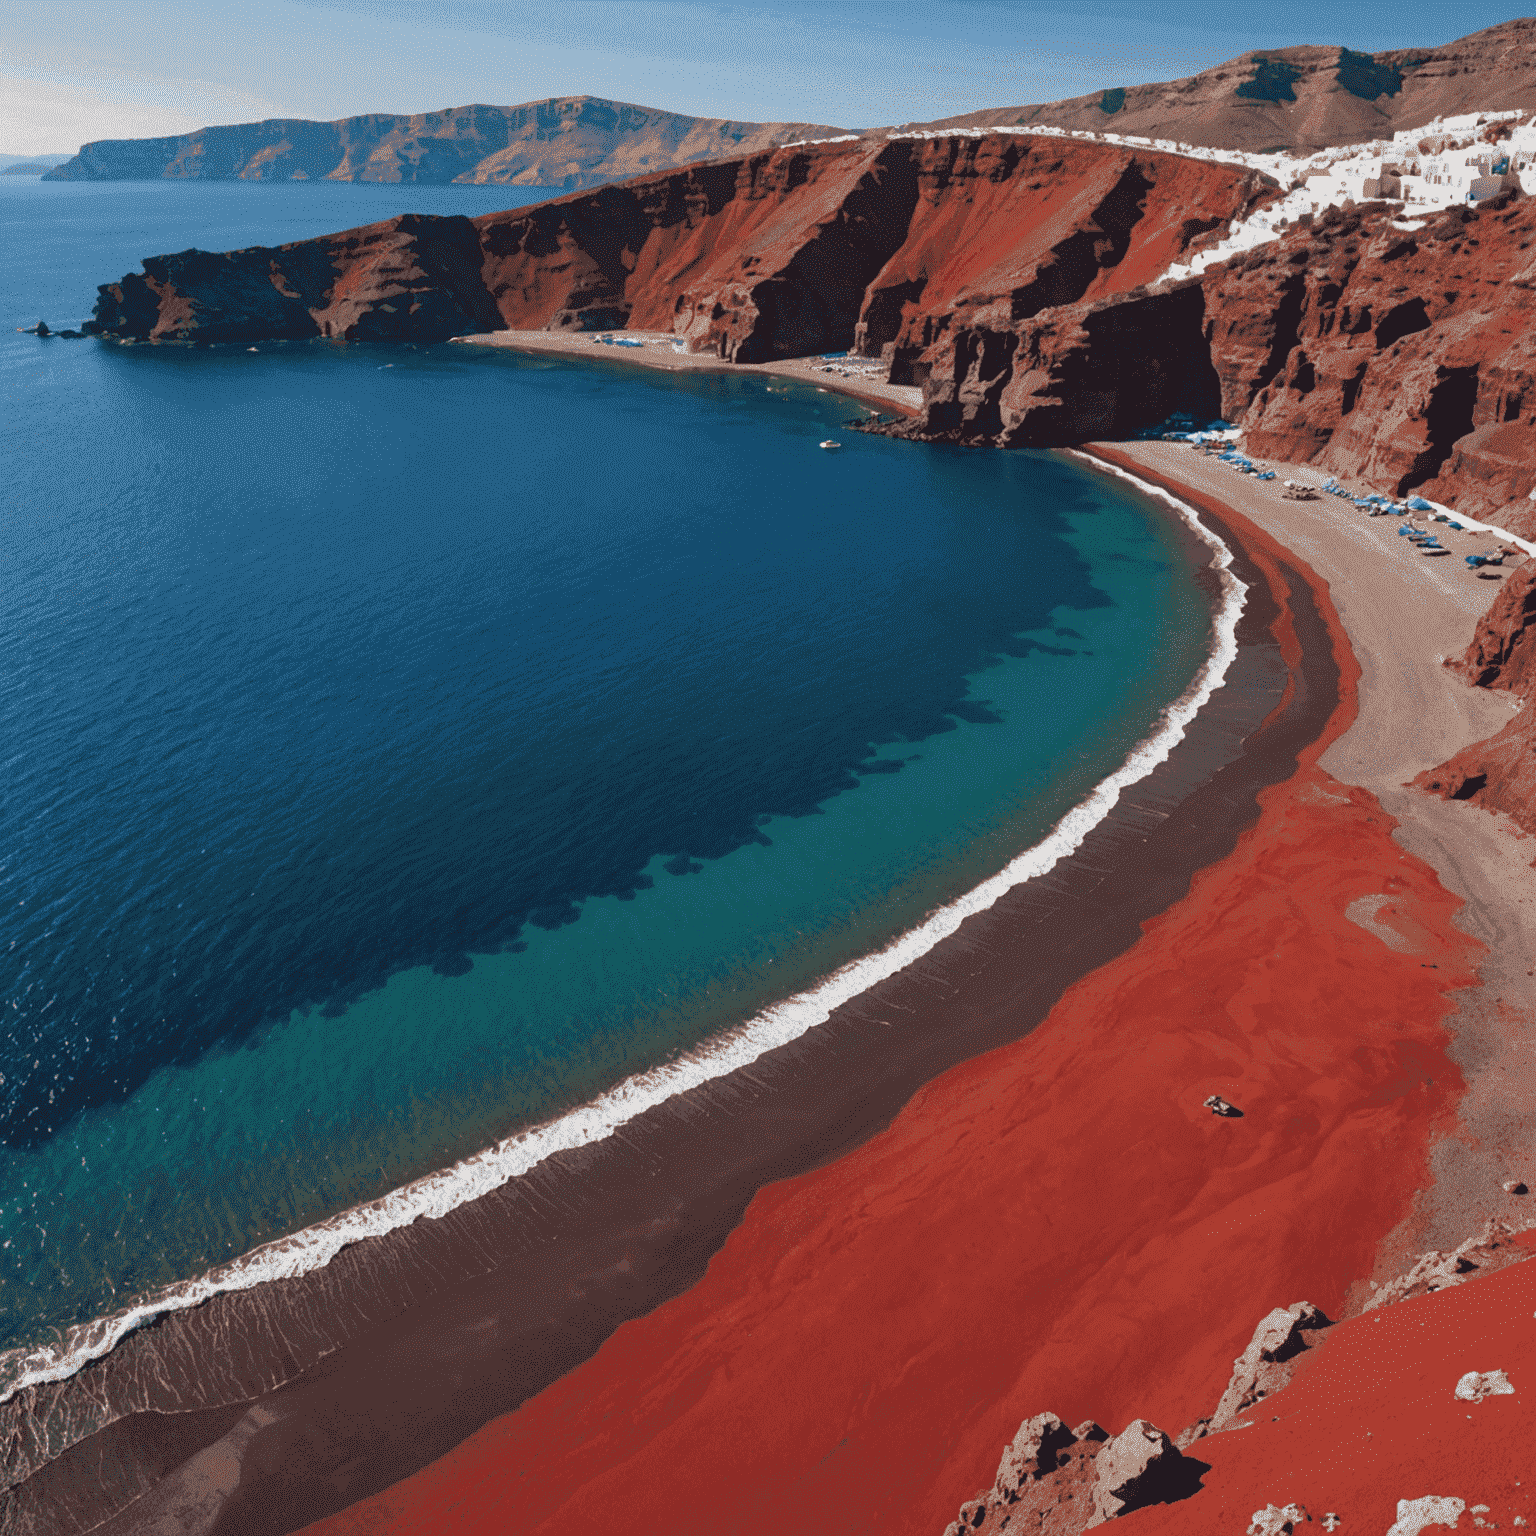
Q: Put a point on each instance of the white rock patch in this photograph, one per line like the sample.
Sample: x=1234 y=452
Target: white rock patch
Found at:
x=1475 y=1386
x=1272 y=1520
x=1415 y=1515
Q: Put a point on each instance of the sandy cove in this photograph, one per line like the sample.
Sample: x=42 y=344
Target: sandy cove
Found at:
x=1060 y=1223
x=855 y=378
x=349 y=1377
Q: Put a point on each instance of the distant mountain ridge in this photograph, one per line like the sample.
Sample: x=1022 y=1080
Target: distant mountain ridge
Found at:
x=1302 y=99
x=1298 y=99
x=566 y=142
x=9 y=162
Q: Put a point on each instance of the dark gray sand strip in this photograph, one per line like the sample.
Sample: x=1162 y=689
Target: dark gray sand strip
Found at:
x=264 y=1410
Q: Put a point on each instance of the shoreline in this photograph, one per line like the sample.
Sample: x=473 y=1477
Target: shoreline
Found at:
x=679 y=1254
x=1417 y=713
x=656 y=352
x=782 y=1022
x=1234 y=989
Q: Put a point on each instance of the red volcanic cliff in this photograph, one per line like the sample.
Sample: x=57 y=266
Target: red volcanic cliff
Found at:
x=1407 y=358
x=1500 y=773
x=1006 y=227
x=1404 y=357
x=772 y=255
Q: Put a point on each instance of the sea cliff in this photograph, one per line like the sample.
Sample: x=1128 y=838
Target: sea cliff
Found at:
x=778 y=254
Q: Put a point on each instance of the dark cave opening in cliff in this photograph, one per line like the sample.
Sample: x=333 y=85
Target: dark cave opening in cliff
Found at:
x=1447 y=418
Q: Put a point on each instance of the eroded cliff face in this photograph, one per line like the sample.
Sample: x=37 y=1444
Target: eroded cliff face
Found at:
x=1405 y=357
x=1008 y=226
x=1500 y=773
x=793 y=251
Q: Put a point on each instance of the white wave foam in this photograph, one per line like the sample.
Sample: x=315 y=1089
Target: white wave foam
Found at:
x=439 y=1193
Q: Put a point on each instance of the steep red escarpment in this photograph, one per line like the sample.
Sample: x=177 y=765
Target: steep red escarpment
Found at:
x=1008 y=226
x=1503 y=649
x=1404 y=357
x=773 y=255
x=751 y=259
x=1080 y=373
x=1500 y=773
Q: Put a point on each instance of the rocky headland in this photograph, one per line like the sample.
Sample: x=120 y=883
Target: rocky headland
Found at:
x=792 y=251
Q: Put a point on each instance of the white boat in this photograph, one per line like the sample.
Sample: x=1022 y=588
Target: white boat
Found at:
x=828 y=443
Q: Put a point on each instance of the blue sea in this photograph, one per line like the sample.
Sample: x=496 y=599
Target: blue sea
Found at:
x=404 y=746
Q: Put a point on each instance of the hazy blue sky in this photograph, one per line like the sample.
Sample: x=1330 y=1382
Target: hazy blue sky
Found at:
x=71 y=71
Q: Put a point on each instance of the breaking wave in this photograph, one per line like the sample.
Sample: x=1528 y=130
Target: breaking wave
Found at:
x=438 y=1193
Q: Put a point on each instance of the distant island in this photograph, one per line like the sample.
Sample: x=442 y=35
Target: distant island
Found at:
x=30 y=165
x=567 y=142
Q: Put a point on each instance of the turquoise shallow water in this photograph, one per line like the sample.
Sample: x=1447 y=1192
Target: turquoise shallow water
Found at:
x=405 y=745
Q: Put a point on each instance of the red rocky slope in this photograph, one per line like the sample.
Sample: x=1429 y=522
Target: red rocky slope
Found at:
x=767 y=256
x=1404 y=357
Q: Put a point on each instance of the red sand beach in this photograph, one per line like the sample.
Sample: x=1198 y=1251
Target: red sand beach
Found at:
x=264 y=1411
x=1056 y=1224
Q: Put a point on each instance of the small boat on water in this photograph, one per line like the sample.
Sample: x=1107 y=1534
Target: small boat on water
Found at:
x=828 y=443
